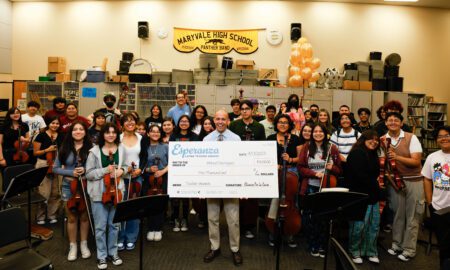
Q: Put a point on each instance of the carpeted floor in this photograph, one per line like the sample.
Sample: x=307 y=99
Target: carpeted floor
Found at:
x=185 y=250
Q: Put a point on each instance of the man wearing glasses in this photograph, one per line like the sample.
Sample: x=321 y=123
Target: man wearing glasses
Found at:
x=182 y=108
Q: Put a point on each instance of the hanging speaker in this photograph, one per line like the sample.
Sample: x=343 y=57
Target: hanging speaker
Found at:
x=143 y=29
x=296 y=31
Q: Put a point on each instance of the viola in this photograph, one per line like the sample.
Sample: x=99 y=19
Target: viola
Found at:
x=328 y=180
x=112 y=194
x=134 y=188
x=77 y=202
x=50 y=157
x=21 y=154
x=156 y=183
x=288 y=213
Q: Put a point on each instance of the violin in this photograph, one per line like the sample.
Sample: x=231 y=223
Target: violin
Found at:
x=156 y=183
x=397 y=183
x=112 y=194
x=328 y=180
x=50 y=157
x=134 y=188
x=77 y=203
x=21 y=154
x=288 y=214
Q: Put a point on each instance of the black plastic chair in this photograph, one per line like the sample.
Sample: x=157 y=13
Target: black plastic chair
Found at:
x=343 y=260
x=14 y=230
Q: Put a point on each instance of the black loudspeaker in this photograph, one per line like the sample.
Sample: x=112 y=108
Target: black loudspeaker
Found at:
x=143 y=29
x=296 y=31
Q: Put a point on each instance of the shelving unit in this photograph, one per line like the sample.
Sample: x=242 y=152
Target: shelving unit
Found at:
x=436 y=116
x=416 y=112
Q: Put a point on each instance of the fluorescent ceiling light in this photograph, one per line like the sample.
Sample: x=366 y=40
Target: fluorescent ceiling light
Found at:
x=401 y=0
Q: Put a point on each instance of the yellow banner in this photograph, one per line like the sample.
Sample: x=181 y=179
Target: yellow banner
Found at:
x=215 y=41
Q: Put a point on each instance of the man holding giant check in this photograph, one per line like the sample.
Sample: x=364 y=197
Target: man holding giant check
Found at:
x=226 y=171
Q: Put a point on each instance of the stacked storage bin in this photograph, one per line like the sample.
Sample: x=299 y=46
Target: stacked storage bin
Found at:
x=391 y=72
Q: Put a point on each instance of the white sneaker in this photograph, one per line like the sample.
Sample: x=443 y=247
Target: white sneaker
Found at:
x=404 y=257
x=357 y=260
x=184 y=227
x=193 y=212
x=394 y=251
x=158 y=236
x=151 y=236
x=72 y=256
x=53 y=221
x=176 y=226
x=249 y=235
x=40 y=222
x=85 y=252
x=374 y=259
x=116 y=260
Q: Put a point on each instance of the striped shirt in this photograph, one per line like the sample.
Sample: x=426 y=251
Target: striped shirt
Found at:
x=344 y=141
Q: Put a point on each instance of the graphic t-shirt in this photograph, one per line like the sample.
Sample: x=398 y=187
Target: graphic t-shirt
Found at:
x=35 y=124
x=437 y=168
x=317 y=164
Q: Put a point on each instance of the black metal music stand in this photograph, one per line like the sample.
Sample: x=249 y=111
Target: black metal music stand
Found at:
x=25 y=182
x=334 y=204
x=140 y=208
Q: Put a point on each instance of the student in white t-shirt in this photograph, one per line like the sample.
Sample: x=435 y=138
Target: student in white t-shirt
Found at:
x=436 y=171
x=345 y=137
x=34 y=121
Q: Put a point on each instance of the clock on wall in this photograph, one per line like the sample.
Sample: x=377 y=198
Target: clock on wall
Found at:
x=273 y=37
x=162 y=33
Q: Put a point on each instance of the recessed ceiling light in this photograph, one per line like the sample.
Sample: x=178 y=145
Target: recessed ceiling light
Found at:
x=401 y=0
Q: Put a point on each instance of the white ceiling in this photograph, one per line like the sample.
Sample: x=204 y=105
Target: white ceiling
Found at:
x=421 y=3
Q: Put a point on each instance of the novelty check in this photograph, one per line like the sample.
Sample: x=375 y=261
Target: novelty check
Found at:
x=246 y=169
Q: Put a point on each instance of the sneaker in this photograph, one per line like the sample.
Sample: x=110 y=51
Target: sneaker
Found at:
x=53 y=221
x=394 y=251
x=192 y=212
x=120 y=246
x=176 y=226
x=158 y=236
x=291 y=242
x=374 y=259
x=72 y=256
x=321 y=253
x=387 y=228
x=271 y=243
x=314 y=253
x=116 y=260
x=249 y=235
x=130 y=246
x=85 y=252
x=357 y=260
x=101 y=264
x=201 y=224
x=40 y=222
x=151 y=236
x=184 y=227
x=404 y=257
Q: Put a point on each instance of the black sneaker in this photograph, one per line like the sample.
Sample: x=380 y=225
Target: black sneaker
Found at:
x=116 y=260
x=101 y=264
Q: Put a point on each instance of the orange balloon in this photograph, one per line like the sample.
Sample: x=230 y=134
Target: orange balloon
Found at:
x=306 y=73
x=295 y=81
x=315 y=63
x=294 y=70
x=302 y=40
x=314 y=77
x=295 y=58
x=295 y=47
x=308 y=62
x=306 y=50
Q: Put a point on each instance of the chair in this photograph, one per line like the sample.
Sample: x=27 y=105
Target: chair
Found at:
x=9 y=175
x=14 y=231
x=427 y=224
x=343 y=260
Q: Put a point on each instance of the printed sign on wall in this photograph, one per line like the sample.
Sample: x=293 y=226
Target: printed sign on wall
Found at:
x=215 y=41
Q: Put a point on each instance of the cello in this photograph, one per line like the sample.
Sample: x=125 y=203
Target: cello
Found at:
x=21 y=155
x=112 y=194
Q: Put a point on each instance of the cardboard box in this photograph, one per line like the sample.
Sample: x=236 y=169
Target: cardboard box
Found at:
x=120 y=78
x=56 y=64
x=62 y=77
x=269 y=74
x=245 y=64
x=365 y=85
x=351 y=85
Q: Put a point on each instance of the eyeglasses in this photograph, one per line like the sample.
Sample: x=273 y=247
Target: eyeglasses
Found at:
x=440 y=137
x=246 y=109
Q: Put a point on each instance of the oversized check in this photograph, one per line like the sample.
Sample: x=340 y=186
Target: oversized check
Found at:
x=246 y=169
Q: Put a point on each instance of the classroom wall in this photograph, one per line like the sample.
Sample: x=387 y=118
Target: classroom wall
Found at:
x=86 y=32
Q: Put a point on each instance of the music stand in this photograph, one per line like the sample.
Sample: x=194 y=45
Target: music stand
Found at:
x=25 y=182
x=140 y=208
x=334 y=204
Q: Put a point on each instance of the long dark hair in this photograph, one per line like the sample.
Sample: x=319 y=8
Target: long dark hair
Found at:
x=8 y=121
x=177 y=129
x=68 y=145
x=105 y=128
x=290 y=104
x=325 y=145
x=369 y=134
x=160 y=132
x=193 y=120
x=160 y=118
x=203 y=132
x=302 y=139
x=49 y=120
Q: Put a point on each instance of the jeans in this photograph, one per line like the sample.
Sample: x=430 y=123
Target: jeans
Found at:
x=316 y=228
x=363 y=234
x=129 y=230
x=106 y=232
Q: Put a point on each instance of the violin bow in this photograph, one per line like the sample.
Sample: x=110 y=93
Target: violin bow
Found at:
x=79 y=163
x=326 y=162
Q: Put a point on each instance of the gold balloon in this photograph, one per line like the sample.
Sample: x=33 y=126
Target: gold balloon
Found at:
x=306 y=73
x=294 y=70
x=315 y=63
x=295 y=58
x=295 y=47
x=308 y=62
x=302 y=40
x=314 y=77
x=295 y=81
x=306 y=50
